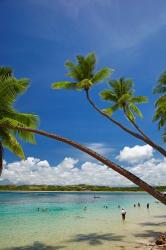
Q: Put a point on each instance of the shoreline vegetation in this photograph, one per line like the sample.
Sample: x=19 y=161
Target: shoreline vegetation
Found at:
x=71 y=188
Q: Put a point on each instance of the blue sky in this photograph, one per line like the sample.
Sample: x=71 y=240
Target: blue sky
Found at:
x=37 y=37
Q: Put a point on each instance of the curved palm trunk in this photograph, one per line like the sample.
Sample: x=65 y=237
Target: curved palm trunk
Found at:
x=138 y=129
x=142 y=137
x=1 y=158
x=159 y=196
x=147 y=139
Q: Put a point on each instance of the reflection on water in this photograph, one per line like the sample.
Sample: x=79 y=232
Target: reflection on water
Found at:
x=53 y=220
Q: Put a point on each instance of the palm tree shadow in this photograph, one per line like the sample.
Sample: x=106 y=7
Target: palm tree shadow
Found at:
x=148 y=233
x=160 y=216
x=153 y=224
x=96 y=239
x=36 y=246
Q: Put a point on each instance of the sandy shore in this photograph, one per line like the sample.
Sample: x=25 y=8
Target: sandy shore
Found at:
x=65 y=223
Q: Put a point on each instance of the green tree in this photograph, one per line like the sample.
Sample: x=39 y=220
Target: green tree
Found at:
x=121 y=96
x=84 y=78
x=83 y=73
x=10 y=89
x=160 y=105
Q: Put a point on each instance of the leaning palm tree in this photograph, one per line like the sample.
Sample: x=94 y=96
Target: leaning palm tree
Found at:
x=10 y=89
x=121 y=96
x=84 y=78
x=160 y=105
x=13 y=123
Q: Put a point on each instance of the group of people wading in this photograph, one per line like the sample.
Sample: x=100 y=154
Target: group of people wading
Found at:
x=123 y=211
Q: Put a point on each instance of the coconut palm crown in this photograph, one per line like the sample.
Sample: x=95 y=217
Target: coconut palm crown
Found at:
x=160 y=105
x=10 y=89
x=121 y=96
x=83 y=74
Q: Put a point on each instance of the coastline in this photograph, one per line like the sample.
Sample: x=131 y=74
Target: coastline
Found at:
x=73 y=191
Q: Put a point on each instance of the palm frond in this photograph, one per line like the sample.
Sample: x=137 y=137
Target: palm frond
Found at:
x=1 y=157
x=10 y=89
x=64 y=85
x=29 y=120
x=129 y=114
x=135 y=109
x=124 y=99
x=10 y=142
x=164 y=136
x=13 y=124
x=160 y=104
x=102 y=75
x=139 y=99
x=109 y=111
x=108 y=95
x=162 y=79
x=159 y=89
x=5 y=72
x=161 y=101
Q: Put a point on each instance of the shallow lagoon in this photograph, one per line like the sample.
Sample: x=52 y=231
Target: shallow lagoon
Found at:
x=66 y=225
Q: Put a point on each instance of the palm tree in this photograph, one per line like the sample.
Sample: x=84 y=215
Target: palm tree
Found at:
x=13 y=123
x=10 y=89
x=83 y=73
x=160 y=105
x=121 y=96
x=84 y=78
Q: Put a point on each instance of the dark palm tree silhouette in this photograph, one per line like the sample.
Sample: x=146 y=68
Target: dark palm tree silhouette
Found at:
x=96 y=238
x=36 y=246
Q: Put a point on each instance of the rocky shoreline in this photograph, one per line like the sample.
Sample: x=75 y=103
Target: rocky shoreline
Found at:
x=159 y=244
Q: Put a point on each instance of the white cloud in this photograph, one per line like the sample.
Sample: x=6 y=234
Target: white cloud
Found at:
x=152 y=171
x=101 y=148
x=33 y=171
x=135 y=154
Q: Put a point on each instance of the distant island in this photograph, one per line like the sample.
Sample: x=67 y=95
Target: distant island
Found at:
x=70 y=188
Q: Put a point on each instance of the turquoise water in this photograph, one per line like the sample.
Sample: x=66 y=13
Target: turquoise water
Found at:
x=63 y=223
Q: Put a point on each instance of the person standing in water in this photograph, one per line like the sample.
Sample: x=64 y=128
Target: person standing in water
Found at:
x=123 y=213
x=147 y=205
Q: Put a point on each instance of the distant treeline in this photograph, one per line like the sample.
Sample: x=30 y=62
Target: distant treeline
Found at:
x=81 y=187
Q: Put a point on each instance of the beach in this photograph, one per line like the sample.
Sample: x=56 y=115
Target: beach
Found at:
x=61 y=220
